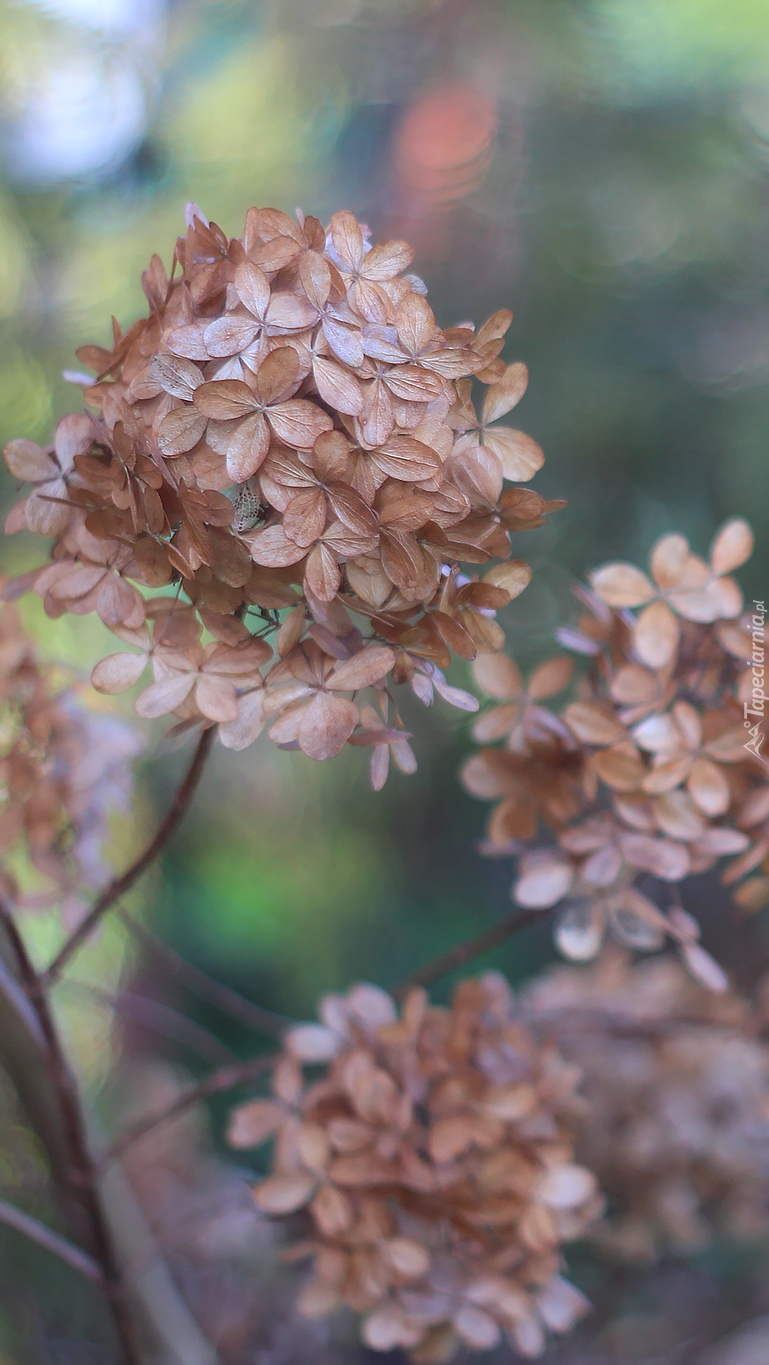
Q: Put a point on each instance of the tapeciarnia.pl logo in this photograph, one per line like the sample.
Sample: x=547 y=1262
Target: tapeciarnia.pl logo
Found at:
x=755 y=709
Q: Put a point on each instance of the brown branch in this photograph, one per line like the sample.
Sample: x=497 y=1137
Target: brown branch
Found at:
x=224 y=998
x=230 y=1076
x=125 y=881
x=36 y=1231
x=159 y=1018
x=82 y=1176
x=218 y=1083
x=470 y=948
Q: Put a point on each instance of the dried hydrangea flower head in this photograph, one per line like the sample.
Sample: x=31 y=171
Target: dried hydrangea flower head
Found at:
x=676 y=1079
x=65 y=769
x=435 y=1166
x=646 y=773
x=287 y=432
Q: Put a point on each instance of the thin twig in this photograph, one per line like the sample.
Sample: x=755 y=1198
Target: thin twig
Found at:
x=83 y=1178
x=160 y=1018
x=36 y=1231
x=125 y=881
x=464 y=952
x=226 y=1078
x=17 y=999
x=224 y=998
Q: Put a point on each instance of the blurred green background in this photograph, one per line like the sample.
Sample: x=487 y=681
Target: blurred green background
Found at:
x=599 y=166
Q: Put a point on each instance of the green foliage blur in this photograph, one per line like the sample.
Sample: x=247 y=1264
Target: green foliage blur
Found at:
x=616 y=197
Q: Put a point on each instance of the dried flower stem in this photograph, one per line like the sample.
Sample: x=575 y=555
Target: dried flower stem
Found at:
x=125 y=881
x=37 y=1232
x=465 y=952
x=83 y=1179
x=230 y=1076
x=159 y=1018
x=223 y=998
x=218 y=1083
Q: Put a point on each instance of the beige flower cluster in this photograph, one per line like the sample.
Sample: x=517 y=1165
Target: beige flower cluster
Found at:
x=287 y=447
x=645 y=774
x=435 y=1168
x=65 y=769
x=676 y=1083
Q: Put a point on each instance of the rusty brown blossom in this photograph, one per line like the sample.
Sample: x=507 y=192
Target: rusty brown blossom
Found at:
x=675 y=1080
x=65 y=770
x=645 y=773
x=287 y=437
x=434 y=1166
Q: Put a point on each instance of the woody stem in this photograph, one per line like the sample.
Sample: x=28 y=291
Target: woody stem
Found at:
x=217 y=1083
x=466 y=951
x=82 y=1173
x=119 y=885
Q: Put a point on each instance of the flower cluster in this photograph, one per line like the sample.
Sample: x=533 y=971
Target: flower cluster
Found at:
x=64 y=769
x=646 y=773
x=435 y=1167
x=676 y=1083
x=288 y=431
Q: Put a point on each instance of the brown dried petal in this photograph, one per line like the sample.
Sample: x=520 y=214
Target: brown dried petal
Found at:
x=223 y=399
x=281 y=1194
x=45 y=516
x=663 y=857
x=732 y=546
x=544 y=879
x=366 y=668
x=253 y=288
x=164 y=696
x=27 y=460
x=272 y=548
x=180 y=430
x=620 y=767
x=656 y=635
x=593 y=724
x=709 y=787
x=118 y=672
x=251 y=1124
x=298 y=422
x=498 y=675
x=518 y=454
x=622 y=585
x=337 y=386
x=668 y=560
x=506 y=393
x=513 y=576
x=326 y=725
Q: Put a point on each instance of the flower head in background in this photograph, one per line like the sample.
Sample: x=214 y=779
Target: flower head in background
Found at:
x=435 y=1167
x=65 y=771
x=286 y=449
x=645 y=774
x=676 y=1083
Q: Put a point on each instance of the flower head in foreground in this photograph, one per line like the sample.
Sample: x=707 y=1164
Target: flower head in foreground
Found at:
x=676 y=1083
x=287 y=448
x=434 y=1164
x=65 y=769
x=645 y=774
